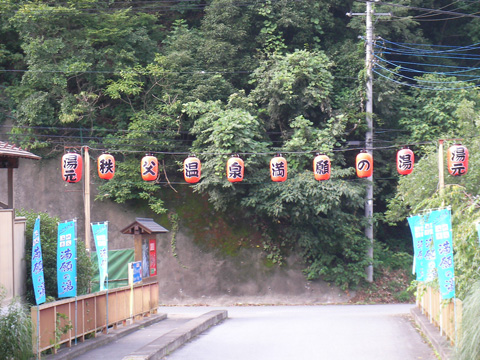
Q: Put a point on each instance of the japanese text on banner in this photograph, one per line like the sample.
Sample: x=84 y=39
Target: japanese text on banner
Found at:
x=67 y=259
x=37 y=265
x=100 y=235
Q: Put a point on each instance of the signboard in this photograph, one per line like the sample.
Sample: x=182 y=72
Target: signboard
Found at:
x=134 y=272
x=153 y=257
x=67 y=259
x=145 y=258
x=37 y=265
x=100 y=235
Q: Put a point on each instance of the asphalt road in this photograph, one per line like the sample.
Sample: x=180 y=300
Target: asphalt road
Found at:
x=330 y=332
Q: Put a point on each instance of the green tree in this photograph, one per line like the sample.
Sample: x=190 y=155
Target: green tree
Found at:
x=286 y=86
x=69 y=57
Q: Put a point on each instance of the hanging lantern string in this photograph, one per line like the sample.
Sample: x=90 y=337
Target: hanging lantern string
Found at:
x=229 y=153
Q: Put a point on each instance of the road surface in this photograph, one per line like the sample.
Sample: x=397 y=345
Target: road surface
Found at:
x=330 y=332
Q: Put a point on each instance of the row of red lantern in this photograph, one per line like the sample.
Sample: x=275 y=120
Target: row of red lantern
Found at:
x=72 y=166
x=457 y=160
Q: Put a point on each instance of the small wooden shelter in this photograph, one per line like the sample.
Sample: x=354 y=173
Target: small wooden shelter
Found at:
x=12 y=235
x=9 y=155
x=144 y=231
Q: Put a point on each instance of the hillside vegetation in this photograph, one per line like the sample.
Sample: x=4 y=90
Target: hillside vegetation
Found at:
x=257 y=78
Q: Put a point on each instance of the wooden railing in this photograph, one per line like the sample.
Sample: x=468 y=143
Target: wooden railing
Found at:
x=64 y=321
x=445 y=314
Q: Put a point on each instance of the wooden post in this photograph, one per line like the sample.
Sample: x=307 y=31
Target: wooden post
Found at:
x=87 y=198
x=441 y=178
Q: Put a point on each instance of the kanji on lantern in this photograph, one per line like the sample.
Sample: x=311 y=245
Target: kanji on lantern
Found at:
x=235 y=169
x=364 y=164
x=278 y=168
x=405 y=161
x=149 y=168
x=321 y=167
x=106 y=166
x=192 y=169
x=72 y=167
x=457 y=160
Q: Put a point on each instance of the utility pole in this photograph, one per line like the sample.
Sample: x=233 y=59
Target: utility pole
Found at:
x=369 y=140
x=369 y=134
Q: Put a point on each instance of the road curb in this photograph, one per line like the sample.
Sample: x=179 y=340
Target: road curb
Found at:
x=176 y=338
x=439 y=343
x=103 y=339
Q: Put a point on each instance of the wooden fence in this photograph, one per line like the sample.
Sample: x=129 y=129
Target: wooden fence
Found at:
x=64 y=321
x=445 y=314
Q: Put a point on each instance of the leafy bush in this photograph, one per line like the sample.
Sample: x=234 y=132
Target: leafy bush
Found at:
x=15 y=331
x=48 y=237
x=469 y=346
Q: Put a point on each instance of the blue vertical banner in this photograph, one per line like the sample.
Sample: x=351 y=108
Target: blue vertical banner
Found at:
x=442 y=237
x=430 y=256
x=416 y=224
x=37 y=265
x=67 y=259
x=100 y=235
x=424 y=251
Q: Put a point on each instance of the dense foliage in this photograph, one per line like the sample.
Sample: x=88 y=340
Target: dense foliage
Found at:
x=469 y=344
x=220 y=77
x=15 y=330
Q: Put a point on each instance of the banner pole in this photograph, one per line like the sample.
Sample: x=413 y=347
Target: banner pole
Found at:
x=38 y=332
x=455 y=319
x=76 y=320
x=107 y=303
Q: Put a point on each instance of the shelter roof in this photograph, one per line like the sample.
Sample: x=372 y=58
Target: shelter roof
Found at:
x=8 y=150
x=144 y=226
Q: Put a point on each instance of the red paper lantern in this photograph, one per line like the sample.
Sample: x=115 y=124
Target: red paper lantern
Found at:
x=457 y=160
x=405 y=161
x=364 y=164
x=106 y=166
x=192 y=169
x=149 y=168
x=321 y=167
x=72 y=167
x=235 y=169
x=278 y=168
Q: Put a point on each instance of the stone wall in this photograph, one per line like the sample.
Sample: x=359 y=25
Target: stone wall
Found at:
x=197 y=275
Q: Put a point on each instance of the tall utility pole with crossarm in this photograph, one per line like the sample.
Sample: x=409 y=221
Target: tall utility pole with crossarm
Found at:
x=369 y=134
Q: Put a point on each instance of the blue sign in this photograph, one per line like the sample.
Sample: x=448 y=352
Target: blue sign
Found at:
x=100 y=235
x=67 y=259
x=137 y=271
x=37 y=265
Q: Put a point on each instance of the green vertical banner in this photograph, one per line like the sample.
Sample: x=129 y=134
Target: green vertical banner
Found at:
x=100 y=235
x=416 y=224
x=478 y=232
x=430 y=255
x=67 y=259
x=442 y=237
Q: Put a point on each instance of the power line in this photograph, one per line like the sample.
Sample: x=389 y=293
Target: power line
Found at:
x=437 y=11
